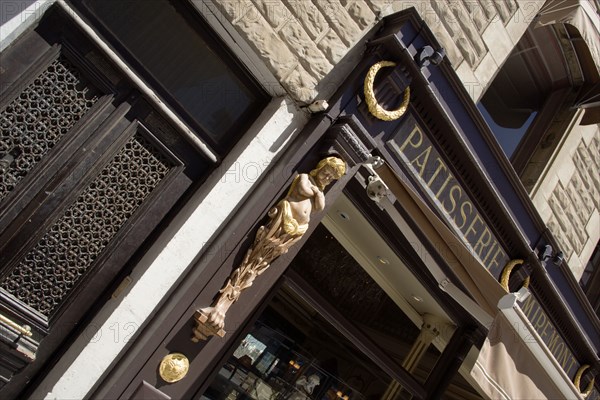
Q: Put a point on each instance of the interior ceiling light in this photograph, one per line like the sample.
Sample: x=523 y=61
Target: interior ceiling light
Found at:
x=417 y=298
x=343 y=215
x=382 y=260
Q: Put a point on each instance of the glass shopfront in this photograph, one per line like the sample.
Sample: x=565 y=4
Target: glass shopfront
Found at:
x=296 y=349
x=291 y=353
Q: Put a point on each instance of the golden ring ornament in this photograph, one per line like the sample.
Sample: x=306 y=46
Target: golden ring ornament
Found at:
x=173 y=367
x=506 y=274
x=577 y=381
x=373 y=106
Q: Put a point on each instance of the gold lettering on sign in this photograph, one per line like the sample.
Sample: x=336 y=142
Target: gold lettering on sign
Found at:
x=441 y=189
x=549 y=335
x=481 y=242
x=463 y=214
x=471 y=226
x=422 y=158
x=452 y=192
x=495 y=262
x=409 y=139
x=437 y=171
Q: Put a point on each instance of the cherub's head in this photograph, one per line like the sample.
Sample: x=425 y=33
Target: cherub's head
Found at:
x=327 y=170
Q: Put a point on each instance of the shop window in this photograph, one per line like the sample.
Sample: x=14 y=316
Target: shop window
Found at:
x=297 y=351
x=285 y=357
x=509 y=126
x=169 y=45
x=520 y=90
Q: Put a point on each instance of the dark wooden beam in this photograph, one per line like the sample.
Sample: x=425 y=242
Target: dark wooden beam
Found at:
x=449 y=362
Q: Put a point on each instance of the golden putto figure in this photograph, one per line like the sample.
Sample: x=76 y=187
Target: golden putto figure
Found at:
x=288 y=221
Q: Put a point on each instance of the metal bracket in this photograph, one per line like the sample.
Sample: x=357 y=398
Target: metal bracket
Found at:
x=374 y=162
x=376 y=188
x=428 y=55
x=548 y=253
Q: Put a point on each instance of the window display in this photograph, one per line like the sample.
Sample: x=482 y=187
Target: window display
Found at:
x=292 y=354
x=272 y=370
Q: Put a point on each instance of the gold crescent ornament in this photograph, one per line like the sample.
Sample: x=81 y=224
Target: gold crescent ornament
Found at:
x=374 y=107
x=504 y=278
x=577 y=381
x=173 y=367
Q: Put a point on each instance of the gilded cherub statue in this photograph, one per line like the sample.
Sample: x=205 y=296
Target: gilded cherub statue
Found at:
x=288 y=221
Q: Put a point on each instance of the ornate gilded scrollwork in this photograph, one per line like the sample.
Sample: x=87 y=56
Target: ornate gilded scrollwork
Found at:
x=504 y=278
x=288 y=221
x=374 y=107
x=577 y=381
x=173 y=367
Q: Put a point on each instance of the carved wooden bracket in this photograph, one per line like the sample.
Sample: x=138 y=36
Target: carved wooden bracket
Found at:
x=288 y=221
x=351 y=140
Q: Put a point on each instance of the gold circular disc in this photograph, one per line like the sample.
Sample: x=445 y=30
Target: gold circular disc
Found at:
x=173 y=367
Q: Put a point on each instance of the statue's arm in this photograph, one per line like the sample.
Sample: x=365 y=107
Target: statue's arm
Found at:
x=304 y=187
x=319 y=200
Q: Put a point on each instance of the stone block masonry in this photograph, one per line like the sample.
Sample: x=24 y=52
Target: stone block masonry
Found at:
x=301 y=41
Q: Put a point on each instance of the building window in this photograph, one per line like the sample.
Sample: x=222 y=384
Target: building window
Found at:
x=509 y=127
x=516 y=105
x=170 y=46
x=530 y=104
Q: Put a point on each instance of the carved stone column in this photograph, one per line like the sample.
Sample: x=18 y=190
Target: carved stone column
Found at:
x=430 y=329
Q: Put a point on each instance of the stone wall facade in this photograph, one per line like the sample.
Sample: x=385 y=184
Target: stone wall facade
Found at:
x=301 y=41
x=568 y=195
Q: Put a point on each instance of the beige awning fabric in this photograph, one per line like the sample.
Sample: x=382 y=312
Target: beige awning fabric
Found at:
x=513 y=363
x=582 y=14
x=506 y=368
x=480 y=284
